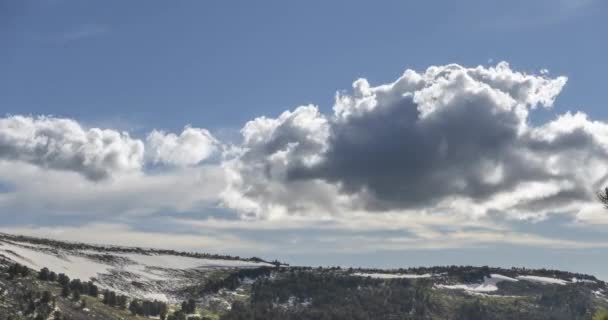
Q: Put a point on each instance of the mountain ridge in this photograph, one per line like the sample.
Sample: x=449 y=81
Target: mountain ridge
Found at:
x=117 y=248
x=136 y=281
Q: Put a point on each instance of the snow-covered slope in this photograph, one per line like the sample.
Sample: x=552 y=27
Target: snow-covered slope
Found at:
x=489 y=284
x=543 y=280
x=150 y=274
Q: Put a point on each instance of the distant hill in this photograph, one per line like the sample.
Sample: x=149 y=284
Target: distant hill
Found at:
x=47 y=279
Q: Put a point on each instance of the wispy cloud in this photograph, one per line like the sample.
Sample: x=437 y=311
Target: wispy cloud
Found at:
x=83 y=32
x=120 y=234
x=545 y=13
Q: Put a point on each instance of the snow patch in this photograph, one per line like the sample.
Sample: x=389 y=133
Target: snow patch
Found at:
x=543 y=280
x=577 y=280
x=36 y=257
x=392 y=275
x=489 y=284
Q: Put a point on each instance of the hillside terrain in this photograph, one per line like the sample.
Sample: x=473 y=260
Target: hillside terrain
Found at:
x=163 y=275
x=46 y=279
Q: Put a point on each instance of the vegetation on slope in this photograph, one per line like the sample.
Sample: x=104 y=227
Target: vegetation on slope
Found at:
x=301 y=293
x=335 y=294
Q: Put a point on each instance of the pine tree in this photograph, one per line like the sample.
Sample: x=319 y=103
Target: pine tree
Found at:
x=44 y=274
x=134 y=307
x=46 y=297
x=65 y=291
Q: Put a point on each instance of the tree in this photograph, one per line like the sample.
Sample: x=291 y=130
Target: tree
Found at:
x=163 y=312
x=134 y=307
x=189 y=306
x=121 y=302
x=112 y=299
x=178 y=315
x=13 y=271
x=65 y=291
x=76 y=285
x=18 y=270
x=93 y=290
x=602 y=196
x=46 y=297
x=109 y=298
x=63 y=279
x=44 y=274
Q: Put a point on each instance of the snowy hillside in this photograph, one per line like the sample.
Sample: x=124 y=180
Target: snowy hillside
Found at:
x=143 y=273
x=151 y=282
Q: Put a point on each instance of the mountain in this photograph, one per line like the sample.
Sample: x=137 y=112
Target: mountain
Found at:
x=48 y=279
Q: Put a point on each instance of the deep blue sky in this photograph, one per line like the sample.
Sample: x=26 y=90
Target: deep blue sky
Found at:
x=217 y=64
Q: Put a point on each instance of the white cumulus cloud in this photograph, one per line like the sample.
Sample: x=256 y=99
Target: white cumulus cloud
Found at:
x=189 y=148
x=63 y=144
x=450 y=139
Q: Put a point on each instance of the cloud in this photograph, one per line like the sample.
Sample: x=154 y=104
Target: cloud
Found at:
x=55 y=166
x=450 y=139
x=441 y=158
x=63 y=144
x=191 y=147
x=83 y=32
x=123 y=234
x=367 y=234
x=543 y=13
x=39 y=191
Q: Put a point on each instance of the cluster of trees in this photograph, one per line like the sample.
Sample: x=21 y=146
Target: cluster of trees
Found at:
x=17 y=270
x=331 y=295
x=46 y=275
x=70 y=287
x=156 y=308
x=112 y=299
x=189 y=306
x=75 y=288
x=35 y=304
x=308 y=293
x=147 y=308
x=470 y=274
x=233 y=280
x=569 y=299
x=159 y=309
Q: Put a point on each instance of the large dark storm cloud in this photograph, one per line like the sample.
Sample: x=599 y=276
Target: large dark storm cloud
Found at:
x=450 y=138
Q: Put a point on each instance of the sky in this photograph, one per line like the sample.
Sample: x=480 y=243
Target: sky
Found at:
x=353 y=133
